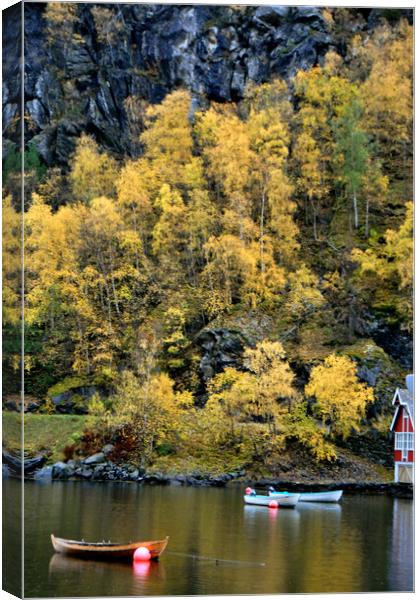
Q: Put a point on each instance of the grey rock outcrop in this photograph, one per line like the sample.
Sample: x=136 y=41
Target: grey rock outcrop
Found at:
x=74 y=401
x=221 y=348
x=214 y=51
x=97 y=468
x=95 y=459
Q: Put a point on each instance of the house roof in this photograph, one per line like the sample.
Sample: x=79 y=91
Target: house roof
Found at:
x=403 y=397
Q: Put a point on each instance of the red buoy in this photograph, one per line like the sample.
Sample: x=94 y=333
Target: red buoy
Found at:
x=273 y=504
x=248 y=491
x=142 y=554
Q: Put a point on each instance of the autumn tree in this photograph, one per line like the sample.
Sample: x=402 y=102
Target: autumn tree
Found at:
x=136 y=186
x=226 y=150
x=12 y=262
x=352 y=153
x=268 y=125
x=233 y=271
x=12 y=240
x=299 y=425
x=174 y=341
x=52 y=285
x=387 y=92
x=385 y=274
x=255 y=393
x=169 y=235
x=55 y=188
x=246 y=163
x=341 y=399
x=61 y=20
x=116 y=273
x=375 y=186
x=85 y=280
x=322 y=93
x=167 y=138
x=93 y=173
x=303 y=297
x=110 y=27
x=147 y=412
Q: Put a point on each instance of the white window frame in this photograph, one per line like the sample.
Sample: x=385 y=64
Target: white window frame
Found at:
x=404 y=441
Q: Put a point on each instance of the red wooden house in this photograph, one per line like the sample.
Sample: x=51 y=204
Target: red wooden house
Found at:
x=403 y=428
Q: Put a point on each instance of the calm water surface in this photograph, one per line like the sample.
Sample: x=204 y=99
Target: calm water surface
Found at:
x=364 y=544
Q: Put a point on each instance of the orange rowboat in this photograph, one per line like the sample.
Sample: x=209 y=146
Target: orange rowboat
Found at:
x=107 y=550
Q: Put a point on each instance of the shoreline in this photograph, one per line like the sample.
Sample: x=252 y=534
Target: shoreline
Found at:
x=388 y=488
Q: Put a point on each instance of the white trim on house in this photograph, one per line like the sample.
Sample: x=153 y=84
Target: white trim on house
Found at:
x=395 y=396
x=397 y=409
x=404 y=440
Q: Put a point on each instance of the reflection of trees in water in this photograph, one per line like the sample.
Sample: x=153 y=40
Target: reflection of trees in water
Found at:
x=402 y=547
x=312 y=548
x=113 y=574
x=322 y=549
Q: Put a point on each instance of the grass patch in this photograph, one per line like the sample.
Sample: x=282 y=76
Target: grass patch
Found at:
x=43 y=433
x=179 y=465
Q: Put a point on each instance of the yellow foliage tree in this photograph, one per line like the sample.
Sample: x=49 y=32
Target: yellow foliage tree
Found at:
x=226 y=150
x=255 y=393
x=298 y=425
x=303 y=298
x=268 y=127
x=340 y=399
x=93 y=173
x=12 y=262
x=168 y=138
x=388 y=92
x=149 y=410
x=386 y=270
x=233 y=271
x=54 y=288
x=85 y=277
x=322 y=93
x=169 y=235
x=61 y=19
x=136 y=185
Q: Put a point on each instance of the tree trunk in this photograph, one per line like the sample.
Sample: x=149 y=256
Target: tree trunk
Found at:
x=262 y=232
x=314 y=216
x=355 y=210
x=367 y=218
x=114 y=291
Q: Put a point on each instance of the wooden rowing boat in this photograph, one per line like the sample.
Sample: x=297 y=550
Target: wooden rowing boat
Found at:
x=107 y=550
x=284 y=500
x=18 y=466
x=327 y=496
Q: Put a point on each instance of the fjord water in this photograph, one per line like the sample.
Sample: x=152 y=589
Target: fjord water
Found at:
x=364 y=544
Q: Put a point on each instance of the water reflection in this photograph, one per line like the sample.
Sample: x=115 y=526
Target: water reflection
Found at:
x=313 y=548
x=60 y=563
x=141 y=569
x=402 y=546
x=256 y=513
x=133 y=578
x=320 y=507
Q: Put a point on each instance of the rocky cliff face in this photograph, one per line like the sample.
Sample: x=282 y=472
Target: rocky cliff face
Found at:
x=79 y=77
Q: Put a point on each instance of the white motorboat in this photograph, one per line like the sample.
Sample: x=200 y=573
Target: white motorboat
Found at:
x=327 y=496
x=282 y=500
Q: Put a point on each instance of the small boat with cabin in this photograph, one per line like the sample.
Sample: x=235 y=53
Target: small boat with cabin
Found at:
x=107 y=550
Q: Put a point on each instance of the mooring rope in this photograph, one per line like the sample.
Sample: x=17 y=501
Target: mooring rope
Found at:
x=217 y=560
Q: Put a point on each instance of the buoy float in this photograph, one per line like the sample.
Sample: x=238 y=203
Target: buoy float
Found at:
x=248 y=491
x=142 y=554
x=273 y=504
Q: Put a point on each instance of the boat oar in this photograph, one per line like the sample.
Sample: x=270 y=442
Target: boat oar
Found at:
x=218 y=560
